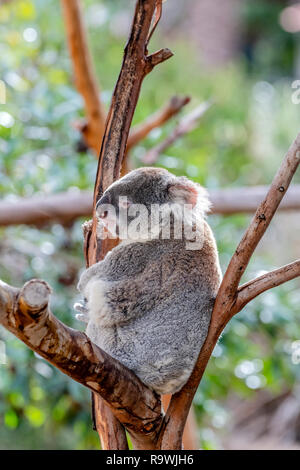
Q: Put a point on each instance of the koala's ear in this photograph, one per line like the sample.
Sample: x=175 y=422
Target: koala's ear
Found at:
x=183 y=191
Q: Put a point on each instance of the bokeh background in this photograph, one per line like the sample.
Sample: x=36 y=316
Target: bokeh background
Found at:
x=243 y=54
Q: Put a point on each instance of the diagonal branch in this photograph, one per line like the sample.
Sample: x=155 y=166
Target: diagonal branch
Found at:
x=93 y=128
x=225 y=304
x=260 y=221
x=140 y=131
x=133 y=71
x=257 y=286
x=185 y=125
x=25 y=312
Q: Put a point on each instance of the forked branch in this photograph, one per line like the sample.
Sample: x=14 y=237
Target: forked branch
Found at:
x=267 y=281
x=25 y=312
x=185 y=125
x=230 y=299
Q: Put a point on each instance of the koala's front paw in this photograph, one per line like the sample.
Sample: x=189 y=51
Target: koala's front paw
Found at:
x=84 y=315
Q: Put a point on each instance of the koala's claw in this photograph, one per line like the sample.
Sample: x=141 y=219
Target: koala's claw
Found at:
x=80 y=308
x=83 y=315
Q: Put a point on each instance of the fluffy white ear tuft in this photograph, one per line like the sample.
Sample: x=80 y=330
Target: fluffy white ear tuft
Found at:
x=184 y=191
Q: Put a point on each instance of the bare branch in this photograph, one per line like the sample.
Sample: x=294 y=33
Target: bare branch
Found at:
x=133 y=71
x=93 y=128
x=140 y=131
x=186 y=124
x=256 y=286
x=135 y=67
x=260 y=221
x=25 y=312
x=68 y=206
x=111 y=432
x=225 y=304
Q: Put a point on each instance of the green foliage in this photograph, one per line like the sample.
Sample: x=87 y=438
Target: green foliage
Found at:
x=240 y=141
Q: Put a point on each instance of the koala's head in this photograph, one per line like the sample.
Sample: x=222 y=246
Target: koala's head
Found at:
x=130 y=201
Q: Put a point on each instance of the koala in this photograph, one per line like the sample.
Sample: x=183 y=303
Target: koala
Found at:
x=148 y=303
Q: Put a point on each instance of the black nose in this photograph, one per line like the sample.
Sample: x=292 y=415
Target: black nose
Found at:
x=102 y=214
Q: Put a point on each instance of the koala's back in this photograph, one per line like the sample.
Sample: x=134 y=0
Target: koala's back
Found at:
x=159 y=313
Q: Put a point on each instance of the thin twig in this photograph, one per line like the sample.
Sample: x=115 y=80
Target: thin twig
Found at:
x=185 y=125
x=267 y=281
x=140 y=131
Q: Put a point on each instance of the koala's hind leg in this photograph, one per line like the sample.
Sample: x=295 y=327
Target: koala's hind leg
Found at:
x=82 y=308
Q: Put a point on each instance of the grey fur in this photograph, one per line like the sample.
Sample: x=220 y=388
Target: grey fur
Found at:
x=149 y=303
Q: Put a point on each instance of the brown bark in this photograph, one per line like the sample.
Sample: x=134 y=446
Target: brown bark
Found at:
x=68 y=206
x=135 y=66
x=227 y=302
x=25 y=312
x=93 y=127
x=189 y=438
x=125 y=400
x=111 y=432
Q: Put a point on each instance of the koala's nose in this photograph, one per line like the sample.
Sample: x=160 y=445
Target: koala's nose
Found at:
x=102 y=214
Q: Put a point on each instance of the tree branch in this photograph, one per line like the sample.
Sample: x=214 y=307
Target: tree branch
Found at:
x=186 y=124
x=157 y=58
x=68 y=206
x=140 y=131
x=133 y=71
x=257 y=286
x=225 y=304
x=25 y=312
x=135 y=67
x=93 y=128
x=261 y=221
